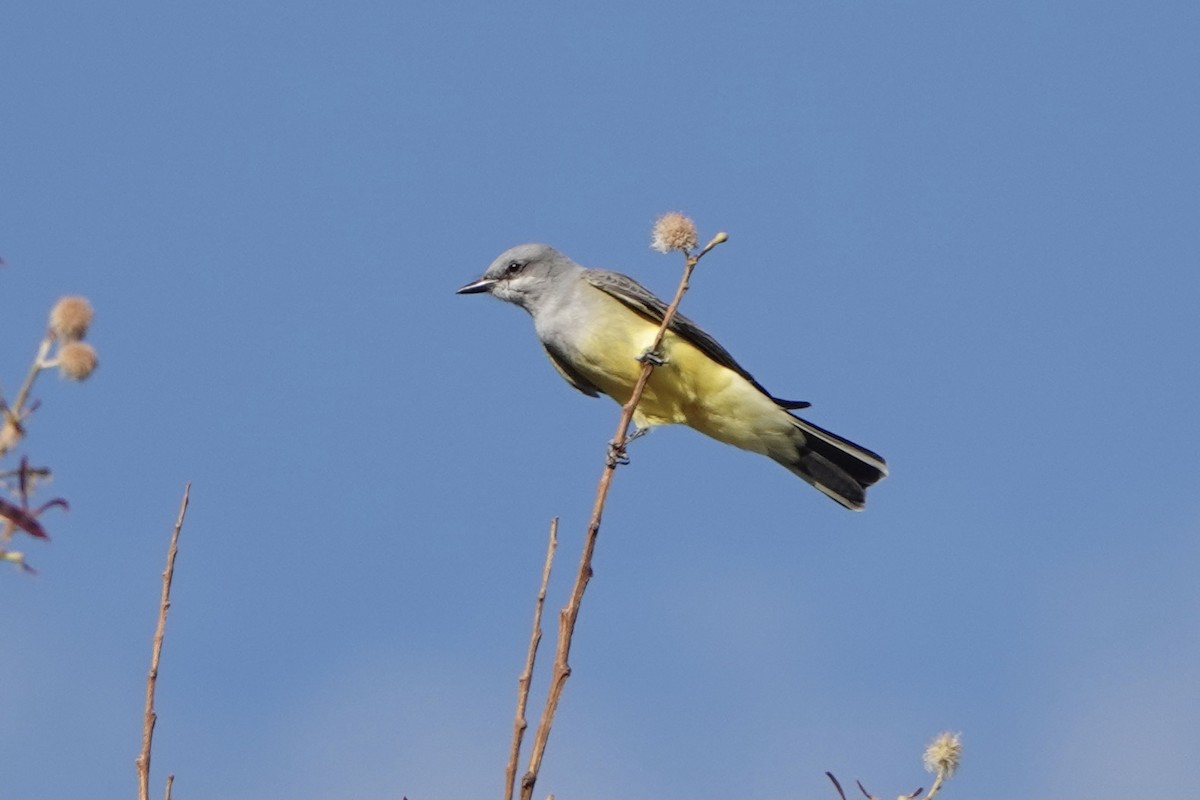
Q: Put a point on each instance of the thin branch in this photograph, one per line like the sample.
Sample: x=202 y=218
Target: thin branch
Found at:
x=15 y=413
x=39 y=363
x=570 y=612
x=143 y=760
x=170 y=783
x=519 y=723
x=26 y=472
x=836 y=785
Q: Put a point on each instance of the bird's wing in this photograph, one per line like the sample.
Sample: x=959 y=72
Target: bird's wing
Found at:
x=642 y=301
x=570 y=374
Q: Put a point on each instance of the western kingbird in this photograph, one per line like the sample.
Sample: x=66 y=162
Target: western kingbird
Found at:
x=596 y=324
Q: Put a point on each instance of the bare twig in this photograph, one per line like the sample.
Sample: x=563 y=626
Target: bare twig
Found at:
x=25 y=472
x=519 y=723
x=570 y=612
x=836 y=785
x=143 y=760
x=170 y=783
x=15 y=413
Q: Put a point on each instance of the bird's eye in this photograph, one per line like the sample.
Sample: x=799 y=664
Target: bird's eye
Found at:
x=514 y=267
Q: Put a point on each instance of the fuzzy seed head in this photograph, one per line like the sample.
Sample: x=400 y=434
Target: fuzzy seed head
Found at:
x=70 y=318
x=76 y=361
x=673 y=231
x=944 y=753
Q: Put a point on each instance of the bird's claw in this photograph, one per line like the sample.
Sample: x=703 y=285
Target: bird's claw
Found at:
x=616 y=453
x=617 y=457
x=652 y=357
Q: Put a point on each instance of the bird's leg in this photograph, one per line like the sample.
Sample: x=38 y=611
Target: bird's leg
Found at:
x=654 y=357
x=637 y=434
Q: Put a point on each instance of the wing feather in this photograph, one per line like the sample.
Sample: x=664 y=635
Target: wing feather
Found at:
x=642 y=301
x=570 y=374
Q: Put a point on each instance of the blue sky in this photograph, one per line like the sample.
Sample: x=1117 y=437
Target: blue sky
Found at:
x=965 y=231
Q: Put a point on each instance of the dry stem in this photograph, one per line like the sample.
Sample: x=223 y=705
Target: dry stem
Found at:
x=39 y=363
x=15 y=411
x=519 y=723
x=937 y=785
x=570 y=612
x=143 y=760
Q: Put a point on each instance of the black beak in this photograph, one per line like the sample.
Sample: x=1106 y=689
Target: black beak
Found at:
x=475 y=287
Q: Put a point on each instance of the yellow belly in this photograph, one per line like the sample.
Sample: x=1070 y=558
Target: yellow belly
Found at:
x=689 y=389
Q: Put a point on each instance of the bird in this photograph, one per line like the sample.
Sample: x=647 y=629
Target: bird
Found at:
x=597 y=325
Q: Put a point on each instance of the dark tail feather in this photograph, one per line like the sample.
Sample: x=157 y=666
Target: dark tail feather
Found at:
x=836 y=466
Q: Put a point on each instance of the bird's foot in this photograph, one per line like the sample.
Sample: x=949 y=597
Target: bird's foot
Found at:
x=617 y=457
x=652 y=357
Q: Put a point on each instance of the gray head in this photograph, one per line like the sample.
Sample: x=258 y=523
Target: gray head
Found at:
x=524 y=274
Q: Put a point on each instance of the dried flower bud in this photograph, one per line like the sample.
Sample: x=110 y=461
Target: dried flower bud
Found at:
x=76 y=360
x=673 y=231
x=944 y=754
x=14 y=557
x=70 y=317
x=10 y=434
